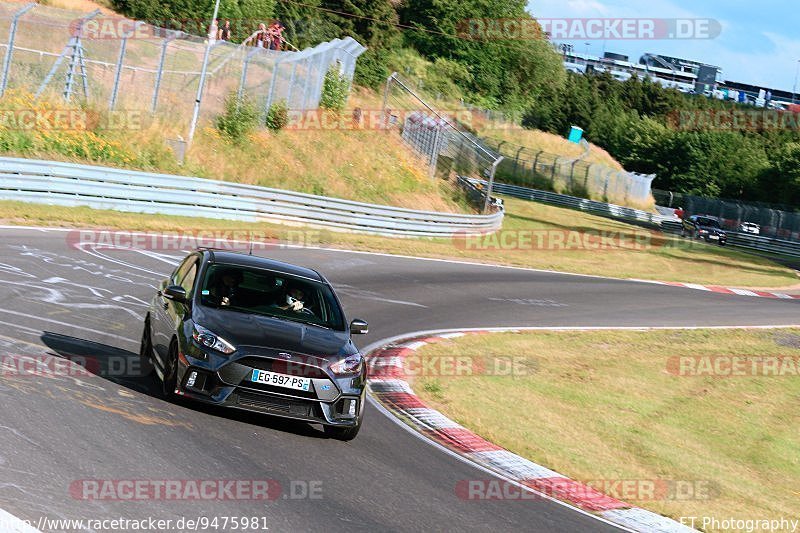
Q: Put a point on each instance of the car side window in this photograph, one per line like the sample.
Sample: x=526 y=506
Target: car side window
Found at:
x=188 y=279
x=179 y=272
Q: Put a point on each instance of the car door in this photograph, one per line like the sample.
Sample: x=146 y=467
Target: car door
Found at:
x=163 y=321
x=176 y=311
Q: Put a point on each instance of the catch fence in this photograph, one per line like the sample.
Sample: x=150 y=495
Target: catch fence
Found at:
x=111 y=62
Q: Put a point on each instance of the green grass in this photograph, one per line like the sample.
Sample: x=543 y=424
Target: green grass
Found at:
x=659 y=258
x=603 y=405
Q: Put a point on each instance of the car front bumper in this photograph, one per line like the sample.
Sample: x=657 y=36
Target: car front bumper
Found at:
x=225 y=382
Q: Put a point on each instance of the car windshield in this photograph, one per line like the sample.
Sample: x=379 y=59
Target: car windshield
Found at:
x=709 y=222
x=269 y=293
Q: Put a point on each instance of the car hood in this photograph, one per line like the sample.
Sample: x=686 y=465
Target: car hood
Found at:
x=244 y=329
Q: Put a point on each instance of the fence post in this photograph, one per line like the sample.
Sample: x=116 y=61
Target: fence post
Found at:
x=516 y=159
x=272 y=84
x=118 y=72
x=384 y=114
x=572 y=174
x=162 y=59
x=306 y=83
x=243 y=79
x=291 y=85
x=605 y=187
x=12 y=34
x=202 y=81
x=491 y=184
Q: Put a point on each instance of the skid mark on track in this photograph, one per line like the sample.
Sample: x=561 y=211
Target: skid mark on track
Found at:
x=144 y=419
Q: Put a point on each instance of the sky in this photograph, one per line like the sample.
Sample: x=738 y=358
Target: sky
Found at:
x=759 y=42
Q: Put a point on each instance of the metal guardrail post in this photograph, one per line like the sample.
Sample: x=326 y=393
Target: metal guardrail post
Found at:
x=12 y=35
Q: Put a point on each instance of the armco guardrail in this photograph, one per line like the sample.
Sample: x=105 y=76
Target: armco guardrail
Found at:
x=590 y=206
x=764 y=244
x=637 y=216
x=69 y=184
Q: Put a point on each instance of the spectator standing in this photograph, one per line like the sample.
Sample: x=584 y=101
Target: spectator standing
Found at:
x=213 y=30
x=225 y=31
x=261 y=36
x=276 y=35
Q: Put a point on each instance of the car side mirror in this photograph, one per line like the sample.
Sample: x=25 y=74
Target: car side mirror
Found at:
x=176 y=293
x=359 y=327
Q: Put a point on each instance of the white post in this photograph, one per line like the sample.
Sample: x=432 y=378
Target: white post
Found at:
x=199 y=97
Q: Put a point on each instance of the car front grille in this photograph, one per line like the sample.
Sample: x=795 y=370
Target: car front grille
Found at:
x=273 y=404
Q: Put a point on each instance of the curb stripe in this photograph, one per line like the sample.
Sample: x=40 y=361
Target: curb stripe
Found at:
x=396 y=395
x=581 y=495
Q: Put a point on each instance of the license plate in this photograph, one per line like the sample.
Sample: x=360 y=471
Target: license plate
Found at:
x=280 y=380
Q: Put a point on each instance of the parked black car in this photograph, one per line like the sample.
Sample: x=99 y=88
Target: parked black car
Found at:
x=251 y=333
x=704 y=227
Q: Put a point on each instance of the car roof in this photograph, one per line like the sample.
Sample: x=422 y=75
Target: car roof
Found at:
x=241 y=259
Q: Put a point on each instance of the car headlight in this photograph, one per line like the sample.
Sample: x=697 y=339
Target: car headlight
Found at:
x=703 y=232
x=352 y=364
x=209 y=339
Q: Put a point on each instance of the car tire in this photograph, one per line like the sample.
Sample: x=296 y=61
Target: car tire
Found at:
x=340 y=433
x=146 y=350
x=170 y=381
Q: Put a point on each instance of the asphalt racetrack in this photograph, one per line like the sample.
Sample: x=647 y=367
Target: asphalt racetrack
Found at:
x=56 y=431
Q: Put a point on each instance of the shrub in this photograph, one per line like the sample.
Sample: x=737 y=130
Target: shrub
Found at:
x=335 y=90
x=239 y=119
x=277 y=116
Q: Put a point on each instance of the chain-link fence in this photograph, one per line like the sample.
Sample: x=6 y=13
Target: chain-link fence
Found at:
x=113 y=62
x=447 y=150
x=570 y=175
x=772 y=220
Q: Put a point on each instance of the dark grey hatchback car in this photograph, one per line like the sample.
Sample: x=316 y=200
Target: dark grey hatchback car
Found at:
x=251 y=333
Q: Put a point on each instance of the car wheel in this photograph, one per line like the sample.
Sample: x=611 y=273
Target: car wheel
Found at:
x=170 y=380
x=340 y=433
x=146 y=351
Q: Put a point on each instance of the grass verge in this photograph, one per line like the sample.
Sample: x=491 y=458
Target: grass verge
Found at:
x=602 y=406
x=533 y=235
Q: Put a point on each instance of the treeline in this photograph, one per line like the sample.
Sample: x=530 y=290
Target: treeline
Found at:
x=648 y=128
x=693 y=144
x=494 y=73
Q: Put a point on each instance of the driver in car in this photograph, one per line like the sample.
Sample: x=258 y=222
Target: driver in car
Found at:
x=294 y=301
x=226 y=286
